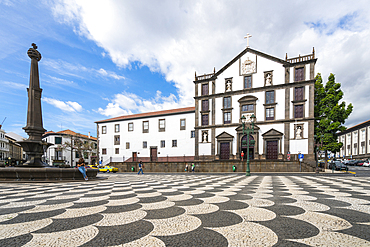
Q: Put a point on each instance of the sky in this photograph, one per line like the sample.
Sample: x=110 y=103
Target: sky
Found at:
x=102 y=59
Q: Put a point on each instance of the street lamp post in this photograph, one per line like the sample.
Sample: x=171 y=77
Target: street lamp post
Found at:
x=248 y=131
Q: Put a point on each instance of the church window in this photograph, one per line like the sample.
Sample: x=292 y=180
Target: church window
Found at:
x=205 y=89
x=103 y=151
x=116 y=128
x=270 y=113
x=205 y=105
x=298 y=93
x=298 y=111
x=174 y=143
x=130 y=126
x=248 y=81
x=299 y=74
x=104 y=129
x=249 y=107
x=227 y=102
x=205 y=119
x=116 y=140
x=182 y=124
x=117 y=151
x=270 y=97
x=163 y=144
x=145 y=126
x=162 y=125
x=227 y=117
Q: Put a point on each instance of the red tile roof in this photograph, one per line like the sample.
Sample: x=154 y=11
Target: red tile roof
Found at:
x=70 y=132
x=149 y=114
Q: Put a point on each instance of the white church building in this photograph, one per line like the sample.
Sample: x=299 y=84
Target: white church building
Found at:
x=279 y=92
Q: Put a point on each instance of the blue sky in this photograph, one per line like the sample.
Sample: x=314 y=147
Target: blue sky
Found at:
x=102 y=59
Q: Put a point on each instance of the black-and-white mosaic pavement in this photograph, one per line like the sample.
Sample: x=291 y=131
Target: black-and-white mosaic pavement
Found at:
x=188 y=210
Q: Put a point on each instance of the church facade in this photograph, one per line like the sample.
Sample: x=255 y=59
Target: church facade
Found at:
x=278 y=92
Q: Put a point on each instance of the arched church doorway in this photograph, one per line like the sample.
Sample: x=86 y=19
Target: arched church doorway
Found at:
x=244 y=147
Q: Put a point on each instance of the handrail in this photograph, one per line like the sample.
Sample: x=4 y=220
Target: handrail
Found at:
x=203 y=77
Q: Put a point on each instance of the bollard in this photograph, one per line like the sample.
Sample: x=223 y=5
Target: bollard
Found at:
x=234 y=168
x=132 y=169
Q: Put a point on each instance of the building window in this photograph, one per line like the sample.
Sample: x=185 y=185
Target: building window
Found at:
x=205 y=119
x=145 y=144
x=270 y=97
x=58 y=140
x=270 y=113
x=103 y=151
x=205 y=105
x=162 y=125
x=163 y=144
x=192 y=134
x=227 y=102
x=227 y=117
x=104 y=129
x=116 y=140
x=298 y=111
x=174 y=143
x=299 y=74
x=248 y=108
x=130 y=126
x=247 y=81
x=116 y=128
x=298 y=93
x=127 y=145
x=145 y=126
x=117 y=151
x=205 y=89
x=77 y=154
x=182 y=124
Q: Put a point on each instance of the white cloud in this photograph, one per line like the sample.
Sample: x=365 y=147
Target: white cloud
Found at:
x=68 y=106
x=111 y=74
x=178 y=37
x=15 y=85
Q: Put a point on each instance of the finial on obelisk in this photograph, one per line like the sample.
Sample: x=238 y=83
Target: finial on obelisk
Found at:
x=247 y=37
x=33 y=53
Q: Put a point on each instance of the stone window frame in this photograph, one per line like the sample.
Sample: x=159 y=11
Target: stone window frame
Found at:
x=163 y=128
x=273 y=110
x=223 y=116
x=223 y=103
x=58 y=138
x=145 y=130
x=127 y=145
x=104 y=129
x=295 y=129
x=270 y=105
x=131 y=124
x=231 y=84
x=294 y=94
x=247 y=100
x=202 y=104
x=201 y=89
x=174 y=143
x=303 y=106
x=207 y=133
x=163 y=144
x=145 y=144
x=192 y=134
x=103 y=151
x=202 y=119
x=117 y=140
x=116 y=128
x=183 y=127
x=116 y=151
x=251 y=76
x=265 y=73
x=304 y=72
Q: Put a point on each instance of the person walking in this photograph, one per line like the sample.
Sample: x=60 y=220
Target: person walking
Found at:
x=193 y=167
x=186 y=167
x=81 y=168
x=141 y=166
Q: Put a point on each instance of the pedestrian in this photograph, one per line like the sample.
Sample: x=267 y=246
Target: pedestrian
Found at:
x=141 y=166
x=192 y=167
x=186 y=167
x=81 y=168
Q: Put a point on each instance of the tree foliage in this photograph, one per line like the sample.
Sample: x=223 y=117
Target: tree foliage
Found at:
x=330 y=113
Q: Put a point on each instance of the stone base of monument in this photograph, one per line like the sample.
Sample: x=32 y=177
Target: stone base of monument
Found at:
x=45 y=174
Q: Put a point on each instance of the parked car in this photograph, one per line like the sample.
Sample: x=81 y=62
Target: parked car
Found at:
x=91 y=167
x=366 y=164
x=338 y=166
x=108 y=169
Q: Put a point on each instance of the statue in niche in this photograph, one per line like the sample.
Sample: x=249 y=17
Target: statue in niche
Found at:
x=298 y=133
x=205 y=136
x=228 y=85
x=268 y=79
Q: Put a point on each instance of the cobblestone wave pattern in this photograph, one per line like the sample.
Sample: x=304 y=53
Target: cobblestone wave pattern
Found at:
x=188 y=210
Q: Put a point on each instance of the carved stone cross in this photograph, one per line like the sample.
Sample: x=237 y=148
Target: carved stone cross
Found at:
x=247 y=37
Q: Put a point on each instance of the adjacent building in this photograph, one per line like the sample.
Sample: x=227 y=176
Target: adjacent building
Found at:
x=278 y=92
x=356 y=141
x=4 y=147
x=154 y=136
x=68 y=147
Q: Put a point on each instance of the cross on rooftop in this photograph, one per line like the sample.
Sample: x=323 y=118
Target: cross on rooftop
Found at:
x=247 y=37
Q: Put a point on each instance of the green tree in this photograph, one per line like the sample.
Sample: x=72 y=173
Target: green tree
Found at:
x=330 y=114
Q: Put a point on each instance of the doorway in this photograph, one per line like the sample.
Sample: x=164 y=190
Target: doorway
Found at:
x=244 y=147
x=153 y=154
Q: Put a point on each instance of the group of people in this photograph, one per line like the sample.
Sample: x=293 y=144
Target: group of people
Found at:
x=141 y=166
x=192 y=167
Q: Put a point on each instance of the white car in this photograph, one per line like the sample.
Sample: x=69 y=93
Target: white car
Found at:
x=366 y=164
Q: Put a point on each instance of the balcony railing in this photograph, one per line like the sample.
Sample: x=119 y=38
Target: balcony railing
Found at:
x=58 y=157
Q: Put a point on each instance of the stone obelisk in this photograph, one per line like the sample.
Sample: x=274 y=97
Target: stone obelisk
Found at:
x=34 y=146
